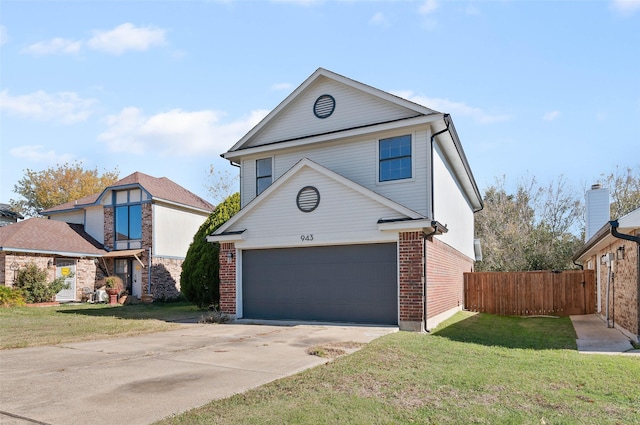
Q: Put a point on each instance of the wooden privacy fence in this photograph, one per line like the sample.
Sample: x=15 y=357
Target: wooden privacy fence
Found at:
x=563 y=293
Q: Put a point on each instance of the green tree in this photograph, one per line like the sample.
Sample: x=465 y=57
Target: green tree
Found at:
x=33 y=283
x=528 y=230
x=199 y=280
x=56 y=185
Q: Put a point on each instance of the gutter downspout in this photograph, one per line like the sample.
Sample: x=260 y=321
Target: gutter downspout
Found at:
x=614 y=232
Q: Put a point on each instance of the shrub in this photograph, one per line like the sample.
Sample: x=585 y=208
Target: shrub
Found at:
x=199 y=280
x=33 y=283
x=11 y=297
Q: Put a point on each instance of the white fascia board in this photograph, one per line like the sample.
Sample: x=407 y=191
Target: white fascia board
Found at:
x=630 y=221
x=424 y=225
x=160 y=201
x=234 y=156
x=305 y=162
x=236 y=237
x=458 y=164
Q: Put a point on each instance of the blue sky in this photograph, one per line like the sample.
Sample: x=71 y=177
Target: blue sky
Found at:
x=164 y=87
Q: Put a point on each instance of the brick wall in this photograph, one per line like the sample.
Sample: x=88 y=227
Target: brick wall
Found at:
x=623 y=296
x=445 y=280
x=227 y=278
x=410 y=271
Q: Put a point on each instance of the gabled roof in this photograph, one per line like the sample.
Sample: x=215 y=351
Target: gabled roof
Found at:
x=418 y=109
x=41 y=235
x=160 y=189
x=603 y=237
x=412 y=114
x=399 y=210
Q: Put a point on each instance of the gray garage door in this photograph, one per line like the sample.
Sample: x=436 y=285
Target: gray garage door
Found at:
x=350 y=283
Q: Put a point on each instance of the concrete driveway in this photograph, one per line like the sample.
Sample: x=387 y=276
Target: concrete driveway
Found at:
x=138 y=380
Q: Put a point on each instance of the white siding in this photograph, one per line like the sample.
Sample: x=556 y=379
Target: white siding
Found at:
x=451 y=208
x=357 y=160
x=277 y=221
x=173 y=231
x=94 y=224
x=353 y=108
x=73 y=217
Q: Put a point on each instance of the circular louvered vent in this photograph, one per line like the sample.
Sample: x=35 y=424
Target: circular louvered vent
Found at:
x=324 y=106
x=308 y=199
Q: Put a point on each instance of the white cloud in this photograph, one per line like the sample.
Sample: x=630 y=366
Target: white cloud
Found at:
x=454 y=108
x=551 y=116
x=3 y=35
x=37 y=153
x=116 y=41
x=126 y=37
x=626 y=7
x=379 y=19
x=63 y=107
x=54 y=46
x=175 y=132
x=428 y=7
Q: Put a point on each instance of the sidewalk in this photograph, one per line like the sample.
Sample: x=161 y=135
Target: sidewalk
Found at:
x=594 y=337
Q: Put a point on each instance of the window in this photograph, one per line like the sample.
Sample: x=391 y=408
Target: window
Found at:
x=128 y=222
x=395 y=158
x=263 y=175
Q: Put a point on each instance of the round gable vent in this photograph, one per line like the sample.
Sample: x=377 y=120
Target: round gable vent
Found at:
x=308 y=199
x=324 y=106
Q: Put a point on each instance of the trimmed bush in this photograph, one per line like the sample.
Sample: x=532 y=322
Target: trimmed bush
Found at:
x=11 y=297
x=33 y=283
x=199 y=280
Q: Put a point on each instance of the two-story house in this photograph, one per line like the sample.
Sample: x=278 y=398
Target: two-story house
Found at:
x=357 y=206
x=139 y=229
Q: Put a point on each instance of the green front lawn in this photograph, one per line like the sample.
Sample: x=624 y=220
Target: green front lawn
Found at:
x=475 y=368
x=32 y=326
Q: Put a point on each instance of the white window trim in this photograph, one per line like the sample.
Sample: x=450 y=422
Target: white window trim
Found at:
x=413 y=159
x=255 y=177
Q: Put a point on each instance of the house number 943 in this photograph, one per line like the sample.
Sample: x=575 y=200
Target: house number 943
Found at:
x=306 y=238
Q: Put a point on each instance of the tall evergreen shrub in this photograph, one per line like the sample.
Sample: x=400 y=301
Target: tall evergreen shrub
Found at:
x=199 y=280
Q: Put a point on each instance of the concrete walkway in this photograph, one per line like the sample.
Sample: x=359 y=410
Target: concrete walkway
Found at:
x=141 y=379
x=594 y=337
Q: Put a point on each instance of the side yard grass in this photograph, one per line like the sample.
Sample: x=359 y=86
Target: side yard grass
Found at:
x=22 y=327
x=475 y=368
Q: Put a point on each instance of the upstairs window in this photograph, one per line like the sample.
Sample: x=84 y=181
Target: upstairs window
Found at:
x=264 y=175
x=129 y=222
x=395 y=158
x=128 y=217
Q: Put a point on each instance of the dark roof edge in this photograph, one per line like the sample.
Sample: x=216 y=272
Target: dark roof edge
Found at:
x=597 y=237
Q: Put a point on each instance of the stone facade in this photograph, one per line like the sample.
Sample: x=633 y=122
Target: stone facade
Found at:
x=86 y=274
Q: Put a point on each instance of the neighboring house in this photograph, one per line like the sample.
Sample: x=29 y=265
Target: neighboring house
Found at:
x=612 y=251
x=8 y=216
x=115 y=232
x=357 y=206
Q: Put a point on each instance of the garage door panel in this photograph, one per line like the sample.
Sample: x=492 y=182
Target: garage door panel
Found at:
x=353 y=283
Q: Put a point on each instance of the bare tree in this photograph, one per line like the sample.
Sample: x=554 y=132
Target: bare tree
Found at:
x=221 y=184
